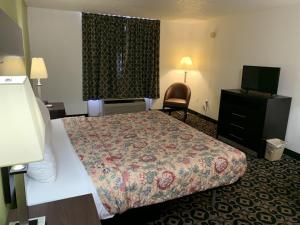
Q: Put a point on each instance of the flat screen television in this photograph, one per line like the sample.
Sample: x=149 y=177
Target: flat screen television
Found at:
x=262 y=79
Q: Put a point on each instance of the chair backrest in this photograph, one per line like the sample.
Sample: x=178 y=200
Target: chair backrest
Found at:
x=178 y=90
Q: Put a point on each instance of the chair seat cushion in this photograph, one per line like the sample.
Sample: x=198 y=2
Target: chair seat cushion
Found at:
x=175 y=102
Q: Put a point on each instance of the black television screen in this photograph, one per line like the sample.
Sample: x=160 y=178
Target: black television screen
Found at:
x=263 y=79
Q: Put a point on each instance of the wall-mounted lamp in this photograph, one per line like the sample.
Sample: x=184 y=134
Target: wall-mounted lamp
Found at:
x=186 y=63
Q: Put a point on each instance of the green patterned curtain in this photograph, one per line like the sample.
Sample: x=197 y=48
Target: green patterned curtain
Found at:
x=120 y=57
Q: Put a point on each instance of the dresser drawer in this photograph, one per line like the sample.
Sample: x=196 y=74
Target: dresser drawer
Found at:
x=237 y=119
x=237 y=129
x=234 y=116
x=243 y=104
x=248 y=135
x=240 y=136
x=241 y=120
x=233 y=131
x=242 y=116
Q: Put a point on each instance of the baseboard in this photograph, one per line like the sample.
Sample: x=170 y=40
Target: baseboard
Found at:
x=198 y=114
x=202 y=116
x=292 y=154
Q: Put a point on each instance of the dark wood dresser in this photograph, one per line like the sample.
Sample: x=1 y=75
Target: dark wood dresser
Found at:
x=249 y=118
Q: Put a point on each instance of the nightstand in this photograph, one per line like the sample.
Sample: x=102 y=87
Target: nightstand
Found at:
x=79 y=210
x=57 y=110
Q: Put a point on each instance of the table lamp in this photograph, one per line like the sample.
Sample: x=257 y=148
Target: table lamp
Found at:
x=22 y=134
x=12 y=66
x=38 y=71
x=186 y=62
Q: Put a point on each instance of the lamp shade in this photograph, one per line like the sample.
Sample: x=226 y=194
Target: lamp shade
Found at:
x=38 y=69
x=186 y=62
x=12 y=66
x=22 y=128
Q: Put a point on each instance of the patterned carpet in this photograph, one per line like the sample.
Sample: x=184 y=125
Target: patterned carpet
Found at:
x=269 y=193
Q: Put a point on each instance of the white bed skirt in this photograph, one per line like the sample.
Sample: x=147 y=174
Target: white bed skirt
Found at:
x=72 y=179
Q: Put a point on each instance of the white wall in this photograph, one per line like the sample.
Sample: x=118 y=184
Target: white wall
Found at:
x=268 y=38
x=183 y=38
x=56 y=36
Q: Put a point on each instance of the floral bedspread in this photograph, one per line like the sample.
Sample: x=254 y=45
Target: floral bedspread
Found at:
x=143 y=158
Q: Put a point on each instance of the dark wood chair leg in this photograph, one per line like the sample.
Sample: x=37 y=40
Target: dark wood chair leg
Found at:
x=213 y=198
x=185 y=115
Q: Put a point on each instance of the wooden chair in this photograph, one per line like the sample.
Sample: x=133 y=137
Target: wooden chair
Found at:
x=177 y=97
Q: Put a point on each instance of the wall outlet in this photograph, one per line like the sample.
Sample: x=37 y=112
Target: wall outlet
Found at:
x=205 y=106
x=206 y=102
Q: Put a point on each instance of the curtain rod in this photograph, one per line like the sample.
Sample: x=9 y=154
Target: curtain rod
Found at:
x=133 y=17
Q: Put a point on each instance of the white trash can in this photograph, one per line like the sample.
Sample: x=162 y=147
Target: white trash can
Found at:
x=274 y=149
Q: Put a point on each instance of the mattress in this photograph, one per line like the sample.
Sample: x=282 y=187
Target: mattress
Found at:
x=72 y=178
x=144 y=158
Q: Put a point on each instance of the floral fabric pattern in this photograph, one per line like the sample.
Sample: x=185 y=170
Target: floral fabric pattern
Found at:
x=144 y=158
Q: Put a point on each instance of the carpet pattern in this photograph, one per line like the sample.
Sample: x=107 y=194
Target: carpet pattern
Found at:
x=269 y=193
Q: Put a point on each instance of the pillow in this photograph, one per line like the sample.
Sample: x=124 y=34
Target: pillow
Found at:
x=45 y=170
x=44 y=111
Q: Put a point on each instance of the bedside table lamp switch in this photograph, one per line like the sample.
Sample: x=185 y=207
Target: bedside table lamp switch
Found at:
x=21 y=135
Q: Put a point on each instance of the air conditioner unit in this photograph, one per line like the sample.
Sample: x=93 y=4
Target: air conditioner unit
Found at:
x=123 y=106
x=117 y=106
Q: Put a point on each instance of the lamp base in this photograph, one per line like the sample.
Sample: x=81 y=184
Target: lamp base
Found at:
x=34 y=221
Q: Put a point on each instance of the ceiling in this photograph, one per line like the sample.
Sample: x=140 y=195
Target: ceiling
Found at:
x=163 y=9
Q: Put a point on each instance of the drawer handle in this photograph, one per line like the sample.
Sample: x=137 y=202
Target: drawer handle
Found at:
x=234 y=125
x=239 y=115
x=237 y=137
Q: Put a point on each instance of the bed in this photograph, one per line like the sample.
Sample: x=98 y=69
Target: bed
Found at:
x=72 y=179
x=133 y=160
